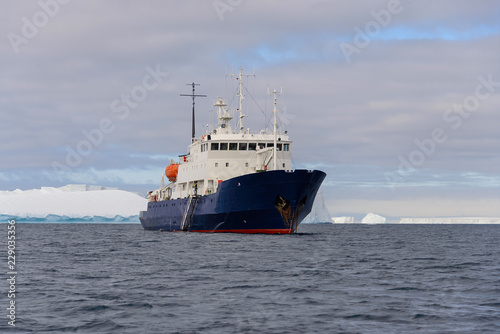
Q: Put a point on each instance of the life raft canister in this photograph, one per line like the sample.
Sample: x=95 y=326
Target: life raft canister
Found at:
x=171 y=172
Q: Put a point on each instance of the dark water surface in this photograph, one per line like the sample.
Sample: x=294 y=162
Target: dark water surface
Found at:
x=117 y=278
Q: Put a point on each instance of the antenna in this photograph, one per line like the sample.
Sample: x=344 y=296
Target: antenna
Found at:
x=193 y=95
x=239 y=77
x=274 y=93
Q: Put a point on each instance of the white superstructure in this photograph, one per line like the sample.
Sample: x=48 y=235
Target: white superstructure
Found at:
x=224 y=153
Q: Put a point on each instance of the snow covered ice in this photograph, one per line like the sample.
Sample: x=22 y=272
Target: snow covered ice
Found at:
x=71 y=201
x=373 y=218
x=343 y=220
x=96 y=203
x=451 y=220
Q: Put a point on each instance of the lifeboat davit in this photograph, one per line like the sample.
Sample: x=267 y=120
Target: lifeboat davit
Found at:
x=171 y=172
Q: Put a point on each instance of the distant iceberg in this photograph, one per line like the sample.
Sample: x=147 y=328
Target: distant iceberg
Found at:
x=70 y=203
x=343 y=220
x=319 y=213
x=451 y=220
x=373 y=218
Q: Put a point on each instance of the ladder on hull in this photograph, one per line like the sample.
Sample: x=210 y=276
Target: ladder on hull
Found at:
x=188 y=215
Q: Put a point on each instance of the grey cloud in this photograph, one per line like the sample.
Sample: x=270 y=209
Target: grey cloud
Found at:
x=364 y=113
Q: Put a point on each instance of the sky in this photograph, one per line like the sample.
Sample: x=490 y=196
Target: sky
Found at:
x=397 y=101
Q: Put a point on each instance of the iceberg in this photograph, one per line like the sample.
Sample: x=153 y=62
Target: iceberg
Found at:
x=80 y=202
x=373 y=218
x=451 y=220
x=343 y=220
x=319 y=213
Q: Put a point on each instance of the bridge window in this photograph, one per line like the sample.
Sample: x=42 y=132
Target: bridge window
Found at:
x=243 y=146
x=286 y=147
x=233 y=146
x=280 y=146
x=214 y=146
x=252 y=146
x=223 y=146
x=262 y=145
x=270 y=144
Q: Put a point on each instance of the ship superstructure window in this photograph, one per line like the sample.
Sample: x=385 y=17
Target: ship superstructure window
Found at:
x=216 y=164
x=280 y=146
x=214 y=146
x=243 y=146
x=252 y=146
x=286 y=147
x=262 y=145
x=233 y=146
x=227 y=164
x=223 y=146
x=270 y=144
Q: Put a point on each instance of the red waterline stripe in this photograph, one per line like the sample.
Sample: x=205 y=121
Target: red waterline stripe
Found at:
x=265 y=231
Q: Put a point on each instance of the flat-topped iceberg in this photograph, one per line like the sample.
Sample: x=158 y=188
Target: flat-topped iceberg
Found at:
x=343 y=220
x=82 y=202
x=451 y=220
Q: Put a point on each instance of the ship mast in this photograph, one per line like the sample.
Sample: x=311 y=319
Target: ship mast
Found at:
x=240 y=94
x=275 y=128
x=193 y=95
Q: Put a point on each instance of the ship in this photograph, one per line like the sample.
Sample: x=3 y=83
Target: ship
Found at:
x=233 y=180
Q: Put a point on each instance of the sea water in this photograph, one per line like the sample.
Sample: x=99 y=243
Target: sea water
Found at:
x=118 y=278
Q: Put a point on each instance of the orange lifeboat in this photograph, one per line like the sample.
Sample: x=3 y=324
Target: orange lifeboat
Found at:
x=171 y=172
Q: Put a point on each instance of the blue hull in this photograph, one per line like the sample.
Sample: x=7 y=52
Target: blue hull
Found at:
x=267 y=202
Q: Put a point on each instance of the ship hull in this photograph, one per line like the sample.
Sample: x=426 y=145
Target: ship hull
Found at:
x=272 y=202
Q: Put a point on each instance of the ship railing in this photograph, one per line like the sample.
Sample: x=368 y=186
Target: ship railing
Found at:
x=188 y=214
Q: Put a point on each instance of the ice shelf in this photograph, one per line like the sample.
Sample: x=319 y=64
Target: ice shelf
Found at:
x=73 y=201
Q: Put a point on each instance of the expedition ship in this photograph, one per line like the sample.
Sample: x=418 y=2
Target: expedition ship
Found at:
x=233 y=181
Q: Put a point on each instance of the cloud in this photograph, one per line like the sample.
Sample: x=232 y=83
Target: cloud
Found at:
x=361 y=115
